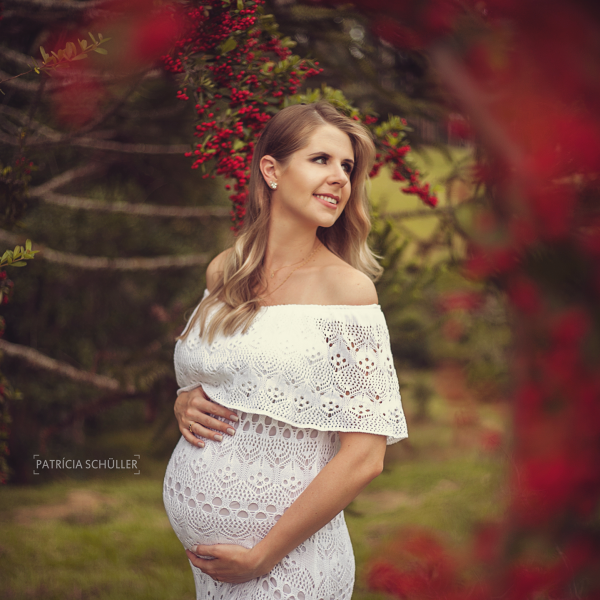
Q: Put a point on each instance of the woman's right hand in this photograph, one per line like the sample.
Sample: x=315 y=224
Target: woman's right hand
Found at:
x=193 y=411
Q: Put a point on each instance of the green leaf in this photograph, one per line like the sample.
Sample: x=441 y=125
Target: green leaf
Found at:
x=287 y=42
x=28 y=245
x=100 y=51
x=43 y=53
x=228 y=45
x=21 y=263
x=92 y=37
x=100 y=37
x=240 y=4
x=70 y=50
x=83 y=44
x=80 y=57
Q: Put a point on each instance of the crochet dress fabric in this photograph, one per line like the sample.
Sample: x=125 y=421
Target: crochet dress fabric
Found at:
x=297 y=377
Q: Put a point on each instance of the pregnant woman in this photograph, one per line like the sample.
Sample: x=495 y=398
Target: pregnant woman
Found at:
x=288 y=392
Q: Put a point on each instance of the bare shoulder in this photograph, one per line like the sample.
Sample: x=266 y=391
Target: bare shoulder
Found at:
x=215 y=268
x=346 y=285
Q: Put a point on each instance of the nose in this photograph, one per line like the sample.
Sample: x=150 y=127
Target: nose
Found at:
x=339 y=176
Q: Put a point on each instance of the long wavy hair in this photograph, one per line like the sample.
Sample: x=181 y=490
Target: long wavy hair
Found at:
x=236 y=291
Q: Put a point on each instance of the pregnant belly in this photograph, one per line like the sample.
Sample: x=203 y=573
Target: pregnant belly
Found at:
x=234 y=491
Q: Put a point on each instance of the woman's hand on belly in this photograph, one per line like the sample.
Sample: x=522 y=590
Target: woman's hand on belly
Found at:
x=231 y=563
x=194 y=410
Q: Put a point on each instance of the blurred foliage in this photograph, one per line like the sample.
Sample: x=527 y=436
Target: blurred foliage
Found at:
x=121 y=324
x=406 y=295
x=120 y=122
x=423 y=331
x=375 y=74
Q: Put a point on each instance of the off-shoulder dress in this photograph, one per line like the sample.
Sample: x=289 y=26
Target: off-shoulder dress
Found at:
x=297 y=377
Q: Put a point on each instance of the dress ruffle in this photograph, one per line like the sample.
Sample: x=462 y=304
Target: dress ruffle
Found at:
x=328 y=368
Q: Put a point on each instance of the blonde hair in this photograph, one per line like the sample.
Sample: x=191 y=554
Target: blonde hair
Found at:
x=287 y=132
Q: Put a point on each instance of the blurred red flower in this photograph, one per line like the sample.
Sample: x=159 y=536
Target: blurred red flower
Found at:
x=79 y=99
x=524 y=294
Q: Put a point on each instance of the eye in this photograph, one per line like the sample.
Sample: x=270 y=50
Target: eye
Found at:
x=347 y=167
x=320 y=160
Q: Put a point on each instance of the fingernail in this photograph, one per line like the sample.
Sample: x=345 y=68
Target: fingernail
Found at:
x=218 y=437
x=230 y=431
x=201 y=444
x=233 y=418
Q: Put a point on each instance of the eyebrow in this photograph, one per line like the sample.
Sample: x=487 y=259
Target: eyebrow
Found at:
x=351 y=161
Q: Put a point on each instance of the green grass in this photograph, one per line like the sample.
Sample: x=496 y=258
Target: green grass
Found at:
x=124 y=548
x=119 y=545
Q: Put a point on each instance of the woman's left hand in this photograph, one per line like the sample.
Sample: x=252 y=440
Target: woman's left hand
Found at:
x=231 y=563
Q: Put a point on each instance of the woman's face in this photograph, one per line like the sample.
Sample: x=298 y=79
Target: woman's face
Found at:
x=314 y=184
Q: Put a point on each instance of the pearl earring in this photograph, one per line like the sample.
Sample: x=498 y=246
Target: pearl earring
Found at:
x=273 y=185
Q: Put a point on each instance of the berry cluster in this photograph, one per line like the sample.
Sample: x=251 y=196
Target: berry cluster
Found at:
x=395 y=159
x=392 y=150
x=241 y=72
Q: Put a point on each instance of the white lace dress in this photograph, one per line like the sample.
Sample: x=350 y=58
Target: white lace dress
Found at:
x=299 y=375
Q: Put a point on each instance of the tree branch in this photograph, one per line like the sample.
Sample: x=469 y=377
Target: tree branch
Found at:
x=141 y=210
x=41 y=361
x=53 y=9
x=110 y=146
x=109 y=264
x=20 y=84
x=105 y=145
x=415 y=214
x=45 y=192
x=54 y=84
x=67 y=177
x=20 y=59
x=71 y=5
x=428 y=212
x=97 y=144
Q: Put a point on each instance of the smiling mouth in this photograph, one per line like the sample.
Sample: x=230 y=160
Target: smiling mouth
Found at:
x=327 y=199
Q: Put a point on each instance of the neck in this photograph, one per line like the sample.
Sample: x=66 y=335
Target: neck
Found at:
x=288 y=244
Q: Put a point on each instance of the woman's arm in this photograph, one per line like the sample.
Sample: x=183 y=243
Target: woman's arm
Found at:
x=359 y=461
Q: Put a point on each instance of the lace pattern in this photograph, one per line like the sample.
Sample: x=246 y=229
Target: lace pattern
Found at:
x=297 y=377
x=325 y=367
x=233 y=492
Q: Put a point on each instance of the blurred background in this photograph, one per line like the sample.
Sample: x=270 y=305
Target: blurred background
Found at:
x=490 y=288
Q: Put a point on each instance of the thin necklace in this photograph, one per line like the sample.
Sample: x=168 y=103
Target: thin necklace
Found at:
x=314 y=250
x=284 y=266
